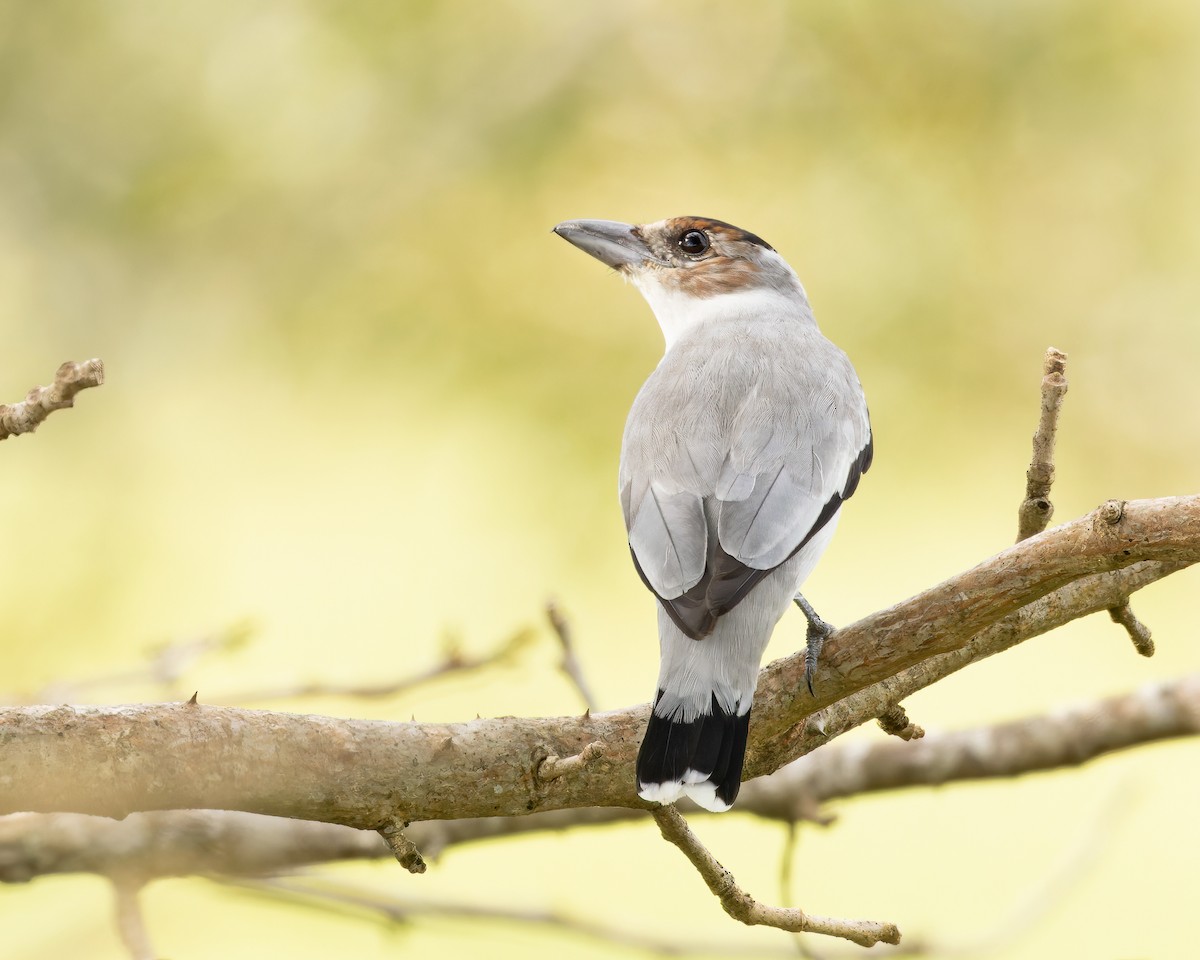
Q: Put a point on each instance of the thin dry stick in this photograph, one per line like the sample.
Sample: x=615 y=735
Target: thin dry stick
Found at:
x=454 y=662
x=787 y=860
x=895 y=722
x=1036 y=509
x=1139 y=633
x=40 y=402
x=551 y=768
x=405 y=851
x=130 y=922
x=741 y=906
x=391 y=907
x=570 y=663
x=1057 y=876
x=164 y=666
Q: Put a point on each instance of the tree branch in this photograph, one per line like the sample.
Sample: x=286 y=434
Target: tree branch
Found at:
x=397 y=907
x=173 y=843
x=895 y=723
x=569 y=663
x=1093 y=594
x=453 y=662
x=741 y=906
x=40 y=402
x=1037 y=509
x=117 y=760
x=228 y=843
x=130 y=923
x=163 y=668
x=1138 y=632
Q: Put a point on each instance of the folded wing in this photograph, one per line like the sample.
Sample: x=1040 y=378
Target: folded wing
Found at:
x=714 y=503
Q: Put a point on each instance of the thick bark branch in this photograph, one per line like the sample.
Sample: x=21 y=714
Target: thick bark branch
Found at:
x=369 y=774
x=173 y=843
x=1093 y=594
x=228 y=843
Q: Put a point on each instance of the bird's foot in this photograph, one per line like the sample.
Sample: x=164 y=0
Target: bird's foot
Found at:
x=818 y=632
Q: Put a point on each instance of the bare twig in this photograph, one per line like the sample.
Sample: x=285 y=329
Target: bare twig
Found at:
x=394 y=908
x=894 y=722
x=40 y=402
x=168 y=663
x=1036 y=509
x=741 y=906
x=1139 y=633
x=130 y=922
x=551 y=768
x=570 y=663
x=1045 y=890
x=405 y=851
x=787 y=861
x=164 y=666
x=1113 y=511
x=453 y=662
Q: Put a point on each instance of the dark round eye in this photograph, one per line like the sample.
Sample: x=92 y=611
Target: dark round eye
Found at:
x=693 y=243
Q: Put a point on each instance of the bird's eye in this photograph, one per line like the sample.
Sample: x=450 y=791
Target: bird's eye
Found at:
x=693 y=243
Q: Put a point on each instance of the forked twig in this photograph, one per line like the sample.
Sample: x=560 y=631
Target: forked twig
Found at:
x=741 y=906
x=1036 y=509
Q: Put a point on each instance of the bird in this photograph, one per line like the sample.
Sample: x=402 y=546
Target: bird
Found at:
x=738 y=453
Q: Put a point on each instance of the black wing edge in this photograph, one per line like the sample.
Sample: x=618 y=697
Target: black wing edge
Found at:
x=726 y=582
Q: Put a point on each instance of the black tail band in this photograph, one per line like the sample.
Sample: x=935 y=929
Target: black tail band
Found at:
x=712 y=746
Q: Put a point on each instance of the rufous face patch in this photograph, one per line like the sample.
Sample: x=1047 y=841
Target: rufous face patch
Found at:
x=702 y=257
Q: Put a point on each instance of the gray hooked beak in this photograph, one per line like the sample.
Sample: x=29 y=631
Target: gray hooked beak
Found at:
x=608 y=241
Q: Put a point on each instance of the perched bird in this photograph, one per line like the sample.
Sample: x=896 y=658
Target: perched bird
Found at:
x=738 y=453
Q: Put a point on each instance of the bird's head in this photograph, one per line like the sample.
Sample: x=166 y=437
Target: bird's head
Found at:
x=689 y=268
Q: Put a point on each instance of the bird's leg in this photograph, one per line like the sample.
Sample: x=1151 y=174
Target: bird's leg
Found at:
x=818 y=632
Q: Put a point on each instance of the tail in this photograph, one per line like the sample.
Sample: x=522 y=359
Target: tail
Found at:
x=696 y=740
x=699 y=758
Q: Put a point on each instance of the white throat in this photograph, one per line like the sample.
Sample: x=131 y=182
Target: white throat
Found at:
x=677 y=312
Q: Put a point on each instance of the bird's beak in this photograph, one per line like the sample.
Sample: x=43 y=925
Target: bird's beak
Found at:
x=616 y=244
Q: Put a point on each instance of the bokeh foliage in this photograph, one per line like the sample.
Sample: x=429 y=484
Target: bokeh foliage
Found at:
x=360 y=394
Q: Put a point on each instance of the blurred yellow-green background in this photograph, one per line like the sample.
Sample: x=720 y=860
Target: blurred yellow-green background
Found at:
x=360 y=396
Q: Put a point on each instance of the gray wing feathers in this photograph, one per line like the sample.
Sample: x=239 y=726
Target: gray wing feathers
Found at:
x=670 y=539
x=794 y=476
x=764 y=528
x=766 y=437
